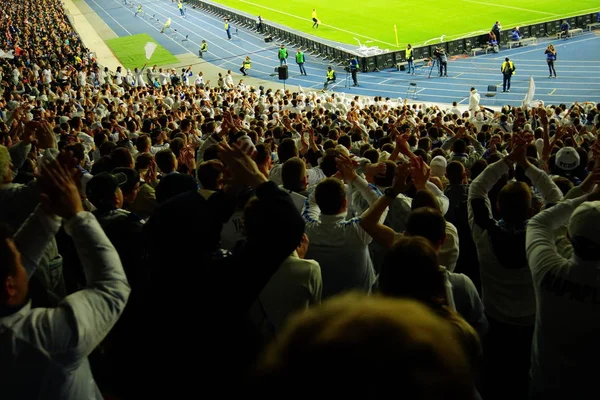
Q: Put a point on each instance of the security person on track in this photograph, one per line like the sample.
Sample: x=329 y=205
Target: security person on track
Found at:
x=330 y=77
x=508 y=69
x=246 y=65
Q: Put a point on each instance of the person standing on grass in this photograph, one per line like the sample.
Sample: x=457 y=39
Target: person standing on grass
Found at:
x=300 y=60
x=203 y=48
x=508 y=69
x=246 y=65
x=550 y=58
x=227 y=28
x=283 y=55
x=314 y=18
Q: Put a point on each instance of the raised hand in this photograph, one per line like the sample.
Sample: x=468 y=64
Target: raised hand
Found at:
x=400 y=178
x=60 y=194
x=420 y=172
x=244 y=171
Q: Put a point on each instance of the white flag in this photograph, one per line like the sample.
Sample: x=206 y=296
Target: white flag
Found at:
x=150 y=47
x=8 y=54
x=530 y=93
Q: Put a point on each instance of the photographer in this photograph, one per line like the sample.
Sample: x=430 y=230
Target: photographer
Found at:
x=442 y=59
x=354 y=70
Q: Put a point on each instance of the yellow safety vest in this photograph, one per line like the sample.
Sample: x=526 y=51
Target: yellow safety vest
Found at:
x=247 y=64
x=330 y=74
x=409 y=53
x=227 y=26
x=509 y=64
x=204 y=46
x=180 y=5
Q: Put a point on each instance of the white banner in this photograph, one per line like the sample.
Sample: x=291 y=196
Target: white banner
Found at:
x=528 y=100
x=149 y=48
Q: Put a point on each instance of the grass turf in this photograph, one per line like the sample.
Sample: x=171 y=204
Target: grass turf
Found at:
x=130 y=51
x=417 y=20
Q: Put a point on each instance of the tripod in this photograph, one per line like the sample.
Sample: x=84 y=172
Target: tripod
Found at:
x=433 y=64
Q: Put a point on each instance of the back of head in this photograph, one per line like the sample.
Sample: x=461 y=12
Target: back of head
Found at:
x=173 y=185
x=514 y=202
x=165 y=161
x=328 y=163
x=330 y=195
x=293 y=174
x=584 y=231
x=459 y=146
x=429 y=223
x=400 y=344
x=425 y=198
x=121 y=157
x=411 y=269
x=287 y=149
x=455 y=172
x=258 y=212
x=210 y=175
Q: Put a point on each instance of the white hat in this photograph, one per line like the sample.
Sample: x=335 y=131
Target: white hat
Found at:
x=585 y=222
x=438 y=166
x=567 y=158
x=63 y=119
x=246 y=145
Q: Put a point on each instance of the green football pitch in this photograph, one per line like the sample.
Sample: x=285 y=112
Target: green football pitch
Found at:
x=130 y=51
x=372 y=21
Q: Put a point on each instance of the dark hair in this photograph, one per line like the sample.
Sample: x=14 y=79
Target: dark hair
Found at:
x=330 y=194
x=286 y=150
x=410 y=269
x=164 y=160
x=454 y=172
x=514 y=202
x=372 y=155
x=427 y=222
x=292 y=172
x=121 y=157
x=424 y=198
x=208 y=175
x=328 y=163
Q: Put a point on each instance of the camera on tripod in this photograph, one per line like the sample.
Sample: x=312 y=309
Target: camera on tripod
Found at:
x=438 y=51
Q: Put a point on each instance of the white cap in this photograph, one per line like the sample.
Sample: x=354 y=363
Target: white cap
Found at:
x=567 y=158
x=585 y=222
x=438 y=166
x=246 y=145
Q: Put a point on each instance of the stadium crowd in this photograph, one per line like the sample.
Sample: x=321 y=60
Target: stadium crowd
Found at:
x=165 y=236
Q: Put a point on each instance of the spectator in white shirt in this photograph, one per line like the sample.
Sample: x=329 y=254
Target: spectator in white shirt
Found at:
x=567 y=291
x=340 y=246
